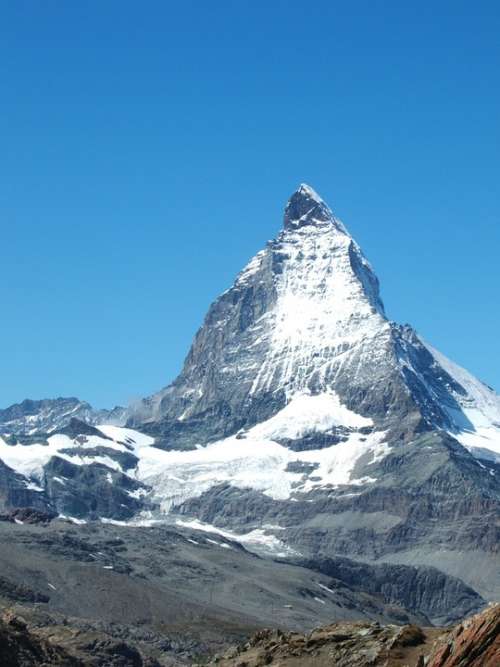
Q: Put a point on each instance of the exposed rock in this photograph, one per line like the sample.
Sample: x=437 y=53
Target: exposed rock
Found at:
x=52 y=414
x=426 y=590
x=25 y=646
x=473 y=643
x=31 y=515
x=76 y=427
x=339 y=645
x=20 y=648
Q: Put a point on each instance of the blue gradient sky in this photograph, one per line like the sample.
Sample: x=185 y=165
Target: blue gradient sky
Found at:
x=148 y=150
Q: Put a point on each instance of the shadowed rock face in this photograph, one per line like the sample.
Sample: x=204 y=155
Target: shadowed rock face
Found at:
x=442 y=599
x=22 y=646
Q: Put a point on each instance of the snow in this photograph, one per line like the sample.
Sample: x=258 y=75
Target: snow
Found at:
x=251 y=460
x=255 y=461
x=323 y=310
x=325 y=588
x=72 y=519
x=176 y=476
x=477 y=424
x=137 y=494
x=307 y=413
x=258 y=540
x=29 y=460
x=34 y=487
x=128 y=435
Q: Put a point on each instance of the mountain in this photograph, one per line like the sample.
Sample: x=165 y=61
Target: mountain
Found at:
x=29 y=418
x=304 y=323
x=305 y=425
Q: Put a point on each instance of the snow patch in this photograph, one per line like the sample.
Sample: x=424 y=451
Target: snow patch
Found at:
x=258 y=540
x=477 y=425
x=306 y=413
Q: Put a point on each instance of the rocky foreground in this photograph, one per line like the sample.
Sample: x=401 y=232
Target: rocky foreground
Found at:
x=473 y=643
x=59 y=644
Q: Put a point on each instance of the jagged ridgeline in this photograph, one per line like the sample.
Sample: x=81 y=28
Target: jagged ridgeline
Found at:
x=304 y=425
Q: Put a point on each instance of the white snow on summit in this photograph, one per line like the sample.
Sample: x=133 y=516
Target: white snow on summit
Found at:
x=322 y=310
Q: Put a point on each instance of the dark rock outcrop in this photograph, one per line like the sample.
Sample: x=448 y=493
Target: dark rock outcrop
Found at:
x=426 y=590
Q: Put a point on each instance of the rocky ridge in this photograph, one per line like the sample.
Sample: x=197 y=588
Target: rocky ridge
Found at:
x=475 y=643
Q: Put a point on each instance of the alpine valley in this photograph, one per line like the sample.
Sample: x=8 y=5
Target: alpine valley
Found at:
x=312 y=462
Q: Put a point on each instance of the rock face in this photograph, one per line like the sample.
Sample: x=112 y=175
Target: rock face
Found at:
x=475 y=643
x=442 y=599
x=22 y=646
x=19 y=648
x=304 y=424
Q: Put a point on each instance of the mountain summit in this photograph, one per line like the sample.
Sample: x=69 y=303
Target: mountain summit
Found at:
x=305 y=207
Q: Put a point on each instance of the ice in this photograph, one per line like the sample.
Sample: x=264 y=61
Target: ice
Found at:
x=252 y=460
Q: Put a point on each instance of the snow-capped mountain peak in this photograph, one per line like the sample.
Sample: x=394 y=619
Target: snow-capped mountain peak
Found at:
x=302 y=312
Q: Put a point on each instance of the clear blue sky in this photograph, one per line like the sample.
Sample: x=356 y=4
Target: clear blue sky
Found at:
x=148 y=150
